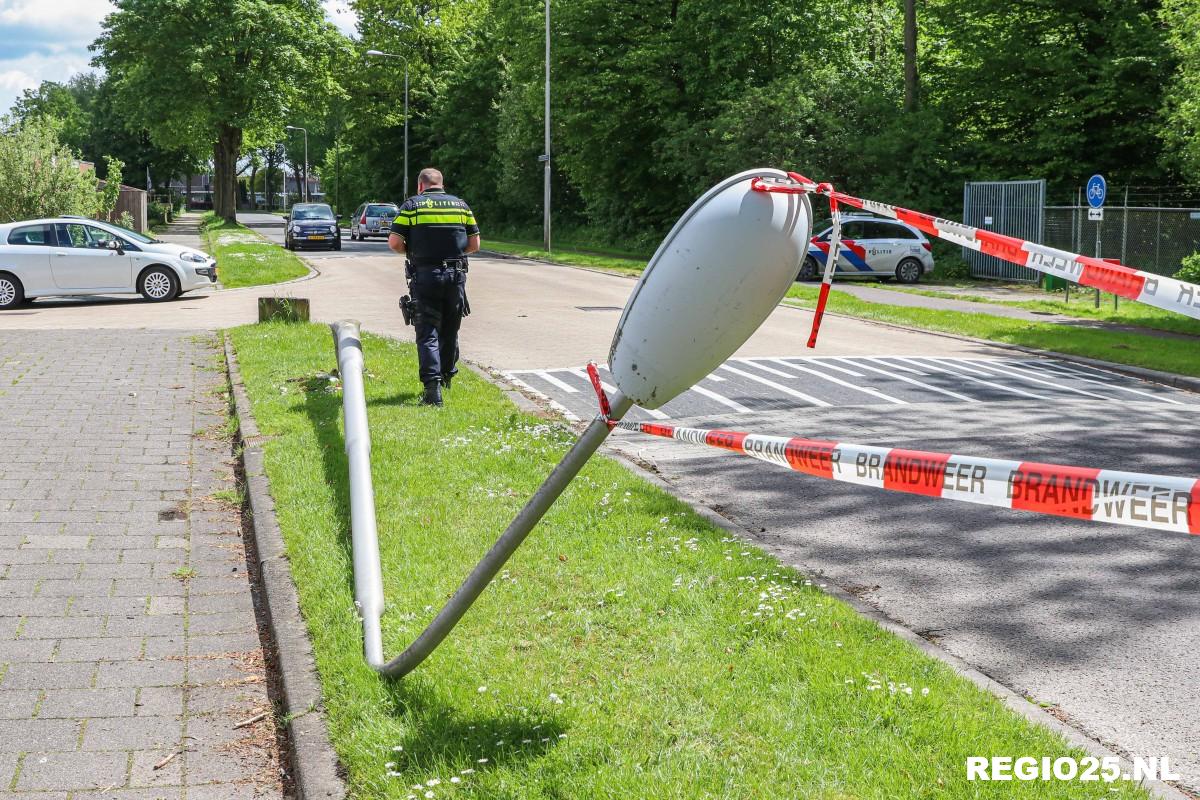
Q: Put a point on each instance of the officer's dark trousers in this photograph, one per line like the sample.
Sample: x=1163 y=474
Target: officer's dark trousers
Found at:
x=441 y=296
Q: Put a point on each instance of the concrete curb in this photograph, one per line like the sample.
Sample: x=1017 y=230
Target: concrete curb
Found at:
x=1074 y=736
x=314 y=764
x=511 y=257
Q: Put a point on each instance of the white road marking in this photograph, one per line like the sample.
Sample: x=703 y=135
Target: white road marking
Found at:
x=840 y=382
x=725 y=401
x=891 y=362
x=1009 y=369
x=557 y=406
x=610 y=389
x=1043 y=366
x=957 y=363
x=753 y=362
x=824 y=362
x=712 y=376
x=776 y=386
x=553 y=381
x=930 y=387
x=1000 y=386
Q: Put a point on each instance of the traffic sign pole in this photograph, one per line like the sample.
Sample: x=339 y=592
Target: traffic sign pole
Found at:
x=1097 y=191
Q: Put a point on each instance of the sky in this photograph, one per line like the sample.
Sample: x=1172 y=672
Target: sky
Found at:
x=47 y=40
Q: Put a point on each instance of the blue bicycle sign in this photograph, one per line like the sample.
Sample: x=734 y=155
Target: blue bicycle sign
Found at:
x=1097 y=190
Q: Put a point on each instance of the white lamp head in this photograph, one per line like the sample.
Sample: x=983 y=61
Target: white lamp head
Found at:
x=713 y=281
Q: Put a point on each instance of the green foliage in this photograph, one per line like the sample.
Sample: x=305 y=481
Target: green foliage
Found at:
x=1182 y=106
x=1190 y=271
x=222 y=73
x=110 y=191
x=951 y=268
x=42 y=177
x=656 y=100
x=160 y=212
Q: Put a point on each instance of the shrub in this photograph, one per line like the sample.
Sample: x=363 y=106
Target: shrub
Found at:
x=1190 y=271
x=160 y=211
x=952 y=268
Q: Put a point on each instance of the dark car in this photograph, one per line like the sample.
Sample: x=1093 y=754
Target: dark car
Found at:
x=312 y=225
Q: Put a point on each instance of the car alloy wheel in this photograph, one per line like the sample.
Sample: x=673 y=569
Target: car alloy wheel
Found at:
x=908 y=271
x=157 y=286
x=808 y=270
x=10 y=292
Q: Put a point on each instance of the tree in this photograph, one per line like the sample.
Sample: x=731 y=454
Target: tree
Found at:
x=217 y=71
x=42 y=177
x=911 y=88
x=1182 y=106
x=61 y=102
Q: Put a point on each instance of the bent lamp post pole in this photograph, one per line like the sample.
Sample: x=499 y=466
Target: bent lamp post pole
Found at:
x=368 y=575
x=368 y=578
x=674 y=331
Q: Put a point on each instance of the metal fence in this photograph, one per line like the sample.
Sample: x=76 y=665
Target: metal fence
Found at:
x=1014 y=208
x=1147 y=238
x=1154 y=238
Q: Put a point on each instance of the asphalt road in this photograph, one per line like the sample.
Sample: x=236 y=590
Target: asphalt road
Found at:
x=1101 y=621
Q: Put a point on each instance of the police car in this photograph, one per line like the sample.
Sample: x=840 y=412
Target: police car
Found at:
x=871 y=247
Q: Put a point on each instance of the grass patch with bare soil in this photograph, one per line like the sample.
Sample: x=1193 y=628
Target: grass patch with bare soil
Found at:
x=246 y=259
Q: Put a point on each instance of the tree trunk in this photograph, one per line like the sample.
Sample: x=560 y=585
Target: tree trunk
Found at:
x=225 y=153
x=911 y=100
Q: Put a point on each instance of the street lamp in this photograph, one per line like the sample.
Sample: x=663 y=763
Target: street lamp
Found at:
x=296 y=128
x=381 y=54
x=546 y=155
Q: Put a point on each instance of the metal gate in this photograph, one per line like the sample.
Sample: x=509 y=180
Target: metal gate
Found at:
x=1009 y=207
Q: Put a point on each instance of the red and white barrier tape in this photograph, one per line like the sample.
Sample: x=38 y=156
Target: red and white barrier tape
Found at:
x=1155 y=290
x=1128 y=498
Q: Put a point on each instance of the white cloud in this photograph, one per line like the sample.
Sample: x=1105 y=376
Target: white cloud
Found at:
x=48 y=41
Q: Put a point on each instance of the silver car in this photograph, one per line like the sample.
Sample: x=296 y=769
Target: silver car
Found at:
x=372 y=219
x=871 y=247
x=79 y=256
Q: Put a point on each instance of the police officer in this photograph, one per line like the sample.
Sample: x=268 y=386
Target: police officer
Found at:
x=436 y=231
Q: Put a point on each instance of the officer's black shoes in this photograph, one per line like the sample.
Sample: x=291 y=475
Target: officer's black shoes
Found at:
x=446 y=379
x=433 y=394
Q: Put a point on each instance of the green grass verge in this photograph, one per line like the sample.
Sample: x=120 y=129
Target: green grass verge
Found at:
x=577 y=258
x=1082 y=305
x=630 y=649
x=1120 y=347
x=246 y=259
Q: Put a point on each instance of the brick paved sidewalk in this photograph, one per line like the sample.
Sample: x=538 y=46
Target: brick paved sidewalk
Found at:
x=127 y=626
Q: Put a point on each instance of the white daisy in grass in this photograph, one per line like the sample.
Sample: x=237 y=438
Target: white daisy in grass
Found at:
x=481 y=690
x=555 y=699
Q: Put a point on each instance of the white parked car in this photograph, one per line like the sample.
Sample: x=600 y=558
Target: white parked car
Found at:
x=78 y=256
